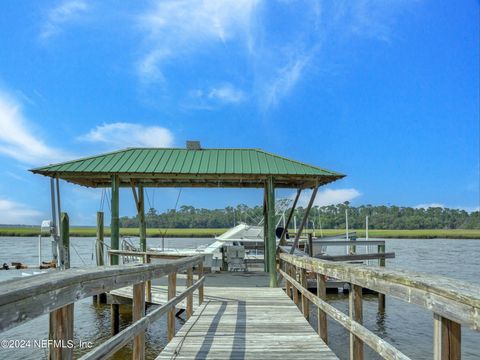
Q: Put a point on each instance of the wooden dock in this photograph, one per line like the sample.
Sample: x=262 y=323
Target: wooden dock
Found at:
x=238 y=316
x=246 y=323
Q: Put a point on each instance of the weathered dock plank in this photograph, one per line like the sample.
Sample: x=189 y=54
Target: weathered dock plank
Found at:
x=246 y=323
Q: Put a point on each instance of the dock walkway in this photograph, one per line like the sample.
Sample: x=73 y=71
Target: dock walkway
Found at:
x=247 y=323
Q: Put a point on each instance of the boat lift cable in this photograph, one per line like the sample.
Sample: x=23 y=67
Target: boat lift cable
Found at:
x=108 y=199
x=102 y=200
x=74 y=248
x=176 y=205
x=149 y=203
x=148 y=200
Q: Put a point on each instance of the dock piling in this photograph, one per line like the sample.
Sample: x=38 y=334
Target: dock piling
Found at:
x=381 y=297
x=138 y=312
x=356 y=314
x=172 y=289
x=189 y=309
x=61 y=320
x=321 y=315
x=447 y=337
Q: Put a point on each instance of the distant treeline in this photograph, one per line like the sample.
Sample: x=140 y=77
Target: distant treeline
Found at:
x=327 y=217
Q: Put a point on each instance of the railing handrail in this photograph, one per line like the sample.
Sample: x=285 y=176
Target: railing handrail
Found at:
x=152 y=254
x=453 y=299
x=112 y=345
x=386 y=350
x=24 y=299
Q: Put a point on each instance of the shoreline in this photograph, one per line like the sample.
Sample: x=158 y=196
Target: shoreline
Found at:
x=212 y=232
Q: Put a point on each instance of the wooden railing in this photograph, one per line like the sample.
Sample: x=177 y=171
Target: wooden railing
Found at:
x=147 y=257
x=453 y=303
x=24 y=299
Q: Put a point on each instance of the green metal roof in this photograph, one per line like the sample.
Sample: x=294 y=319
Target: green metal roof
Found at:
x=185 y=167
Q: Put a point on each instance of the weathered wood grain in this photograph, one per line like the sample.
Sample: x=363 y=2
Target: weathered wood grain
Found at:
x=386 y=350
x=247 y=323
x=189 y=307
x=24 y=299
x=115 y=343
x=172 y=289
x=356 y=257
x=456 y=300
x=321 y=315
x=356 y=314
x=138 y=311
x=446 y=339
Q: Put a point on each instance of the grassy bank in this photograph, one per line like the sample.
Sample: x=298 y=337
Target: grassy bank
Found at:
x=400 y=234
x=411 y=234
x=91 y=232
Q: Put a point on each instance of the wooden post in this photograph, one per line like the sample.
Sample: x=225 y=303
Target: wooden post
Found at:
x=265 y=229
x=200 y=289
x=61 y=320
x=305 y=303
x=99 y=254
x=114 y=227
x=61 y=326
x=321 y=315
x=310 y=244
x=356 y=314
x=65 y=238
x=115 y=318
x=288 y=286
x=172 y=291
x=115 y=243
x=271 y=239
x=190 y=296
x=138 y=312
x=381 y=297
x=99 y=243
x=148 y=284
x=447 y=336
x=295 y=290
x=141 y=217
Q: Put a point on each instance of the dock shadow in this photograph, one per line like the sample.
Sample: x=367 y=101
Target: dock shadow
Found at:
x=239 y=337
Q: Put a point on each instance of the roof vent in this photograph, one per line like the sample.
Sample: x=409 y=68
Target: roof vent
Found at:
x=193 y=145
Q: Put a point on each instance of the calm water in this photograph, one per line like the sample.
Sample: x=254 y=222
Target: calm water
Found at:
x=406 y=326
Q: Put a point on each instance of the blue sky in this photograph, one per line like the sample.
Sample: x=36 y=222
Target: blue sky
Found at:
x=385 y=92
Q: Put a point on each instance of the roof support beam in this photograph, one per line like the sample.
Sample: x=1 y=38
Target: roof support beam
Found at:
x=132 y=184
x=115 y=226
x=265 y=229
x=141 y=217
x=271 y=239
x=304 y=220
x=289 y=219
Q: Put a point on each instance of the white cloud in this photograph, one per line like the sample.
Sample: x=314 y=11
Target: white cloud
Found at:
x=175 y=28
x=276 y=59
x=329 y=197
x=60 y=15
x=17 y=139
x=220 y=94
x=17 y=213
x=226 y=93
x=283 y=82
x=122 y=135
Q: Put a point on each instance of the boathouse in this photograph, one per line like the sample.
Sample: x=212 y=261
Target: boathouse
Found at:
x=193 y=166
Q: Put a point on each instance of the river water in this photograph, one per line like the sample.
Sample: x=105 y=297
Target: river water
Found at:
x=406 y=326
